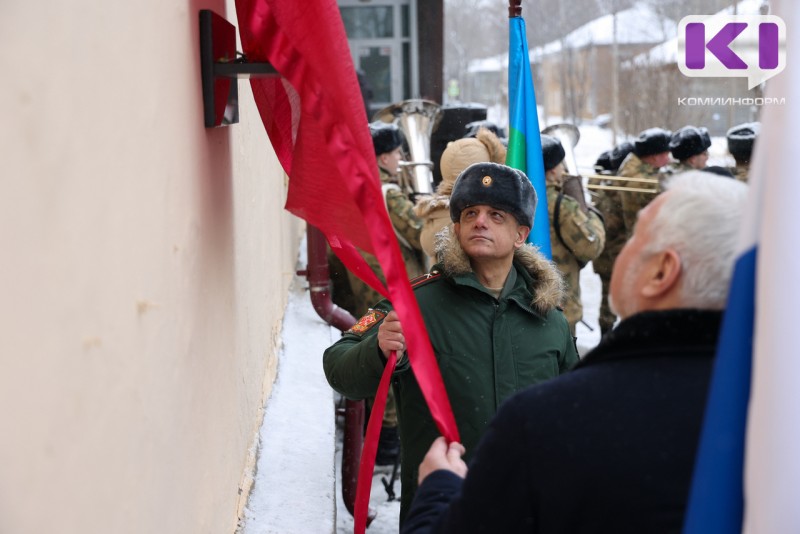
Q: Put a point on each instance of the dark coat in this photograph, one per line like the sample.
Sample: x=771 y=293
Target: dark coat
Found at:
x=607 y=447
x=487 y=350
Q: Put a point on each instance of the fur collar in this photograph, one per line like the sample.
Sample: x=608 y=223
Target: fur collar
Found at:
x=547 y=285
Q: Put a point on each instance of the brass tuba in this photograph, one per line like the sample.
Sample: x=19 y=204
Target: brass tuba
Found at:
x=569 y=136
x=417 y=119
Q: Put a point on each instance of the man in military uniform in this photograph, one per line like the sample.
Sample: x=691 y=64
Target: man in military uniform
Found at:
x=577 y=234
x=650 y=153
x=609 y=203
x=689 y=146
x=491 y=311
x=352 y=293
x=741 y=139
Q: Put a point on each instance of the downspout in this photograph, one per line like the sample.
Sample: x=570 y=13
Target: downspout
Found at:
x=319 y=283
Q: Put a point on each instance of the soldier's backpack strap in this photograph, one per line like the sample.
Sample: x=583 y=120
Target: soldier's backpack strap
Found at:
x=599 y=214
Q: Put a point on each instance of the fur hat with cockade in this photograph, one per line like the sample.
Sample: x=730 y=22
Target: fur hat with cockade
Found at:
x=495 y=185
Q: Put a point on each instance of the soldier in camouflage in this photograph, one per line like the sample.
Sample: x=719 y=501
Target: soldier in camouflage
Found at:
x=577 y=234
x=388 y=141
x=741 y=139
x=609 y=203
x=650 y=153
x=689 y=146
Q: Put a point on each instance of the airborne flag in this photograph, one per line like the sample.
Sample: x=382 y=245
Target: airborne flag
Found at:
x=524 y=142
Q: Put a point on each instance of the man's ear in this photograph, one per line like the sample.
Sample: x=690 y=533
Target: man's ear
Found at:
x=522 y=235
x=664 y=274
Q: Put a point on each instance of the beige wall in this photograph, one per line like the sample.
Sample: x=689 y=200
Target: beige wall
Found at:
x=144 y=274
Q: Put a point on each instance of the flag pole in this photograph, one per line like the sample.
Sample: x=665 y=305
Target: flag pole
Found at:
x=514 y=8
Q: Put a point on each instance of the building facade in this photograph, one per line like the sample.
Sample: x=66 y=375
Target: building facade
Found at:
x=146 y=267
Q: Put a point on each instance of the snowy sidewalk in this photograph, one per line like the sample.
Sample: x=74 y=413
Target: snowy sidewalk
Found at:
x=297 y=486
x=294 y=486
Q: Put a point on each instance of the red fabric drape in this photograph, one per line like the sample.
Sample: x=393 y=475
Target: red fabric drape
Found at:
x=316 y=122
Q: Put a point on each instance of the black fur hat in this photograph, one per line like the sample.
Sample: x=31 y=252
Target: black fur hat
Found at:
x=741 y=139
x=689 y=141
x=610 y=160
x=652 y=141
x=471 y=129
x=604 y=161
x=495 y=185
x=385 y=137
x=552 y=152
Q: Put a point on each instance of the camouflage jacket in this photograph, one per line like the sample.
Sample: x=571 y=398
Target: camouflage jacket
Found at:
x=575 y=239
x=609 y=203
x=407 y=228
x=677 y=167
x=632 y=202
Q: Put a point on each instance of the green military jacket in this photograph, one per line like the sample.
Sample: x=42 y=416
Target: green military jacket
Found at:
x=487 y=349
x=575 y=239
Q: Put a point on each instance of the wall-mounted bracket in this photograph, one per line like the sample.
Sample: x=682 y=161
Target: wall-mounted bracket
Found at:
x=220 y=66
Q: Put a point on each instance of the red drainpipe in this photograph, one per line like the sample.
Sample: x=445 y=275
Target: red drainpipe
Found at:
x=319 y=283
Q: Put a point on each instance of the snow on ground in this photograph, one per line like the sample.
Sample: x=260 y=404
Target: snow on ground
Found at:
x=295 y=479
x=387 y=517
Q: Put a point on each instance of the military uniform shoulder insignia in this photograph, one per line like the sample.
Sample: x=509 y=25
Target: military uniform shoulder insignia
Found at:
x=424 y=279
x=370 y=319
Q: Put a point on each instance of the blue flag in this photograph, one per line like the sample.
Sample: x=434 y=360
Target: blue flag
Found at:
x=524 y=142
